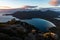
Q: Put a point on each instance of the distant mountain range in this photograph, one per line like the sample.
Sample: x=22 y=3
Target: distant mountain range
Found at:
x=35 y=14
x=57 y=9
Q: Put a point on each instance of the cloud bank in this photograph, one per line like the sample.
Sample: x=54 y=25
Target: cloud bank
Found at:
x=54 y=2
x=27 y=6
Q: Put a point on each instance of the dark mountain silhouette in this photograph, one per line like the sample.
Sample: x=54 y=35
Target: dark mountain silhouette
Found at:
x=36 y=14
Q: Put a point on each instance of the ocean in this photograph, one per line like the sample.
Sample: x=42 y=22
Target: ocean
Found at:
x=4 y=18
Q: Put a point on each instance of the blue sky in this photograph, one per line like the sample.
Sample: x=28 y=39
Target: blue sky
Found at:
x=19 y=3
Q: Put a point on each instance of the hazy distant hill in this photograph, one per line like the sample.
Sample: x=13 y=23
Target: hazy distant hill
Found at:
x=14 y=10
x=21 y=9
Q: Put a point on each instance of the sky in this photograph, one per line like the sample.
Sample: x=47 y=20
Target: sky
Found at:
x=20 y=3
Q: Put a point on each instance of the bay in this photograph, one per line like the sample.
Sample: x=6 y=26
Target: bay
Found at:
x=6 y=18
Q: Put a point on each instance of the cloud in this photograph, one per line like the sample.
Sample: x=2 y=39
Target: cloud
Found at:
x=5 y=7
x=29 y=6
x=54 y=2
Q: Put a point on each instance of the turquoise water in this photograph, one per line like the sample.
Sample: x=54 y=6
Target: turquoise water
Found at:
x=40 y=24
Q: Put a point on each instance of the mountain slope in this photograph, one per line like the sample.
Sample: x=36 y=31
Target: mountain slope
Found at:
x=35 y=14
